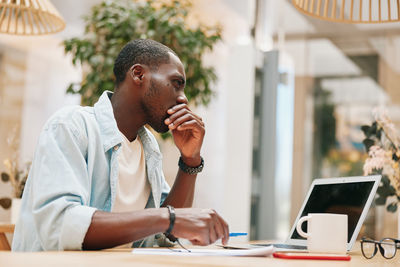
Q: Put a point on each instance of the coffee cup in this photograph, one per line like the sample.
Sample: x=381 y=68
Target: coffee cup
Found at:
x=326 y=232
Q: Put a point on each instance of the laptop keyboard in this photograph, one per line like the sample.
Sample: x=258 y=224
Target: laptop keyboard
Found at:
x=284 y=246
x=289 y=246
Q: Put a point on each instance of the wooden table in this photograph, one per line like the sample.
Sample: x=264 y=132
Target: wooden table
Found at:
x=5 y=228
x=116 y=258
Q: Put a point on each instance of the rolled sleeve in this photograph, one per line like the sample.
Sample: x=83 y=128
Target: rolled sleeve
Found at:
x=73 y=231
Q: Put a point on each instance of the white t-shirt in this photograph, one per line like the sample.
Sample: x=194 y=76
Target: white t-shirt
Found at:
x=133 y=188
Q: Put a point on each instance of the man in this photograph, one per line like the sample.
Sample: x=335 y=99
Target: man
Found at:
x=96 y=168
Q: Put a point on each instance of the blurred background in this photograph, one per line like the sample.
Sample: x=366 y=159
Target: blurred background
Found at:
x=291 y=95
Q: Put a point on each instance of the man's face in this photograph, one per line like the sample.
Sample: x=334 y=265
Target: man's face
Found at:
x=166 y=85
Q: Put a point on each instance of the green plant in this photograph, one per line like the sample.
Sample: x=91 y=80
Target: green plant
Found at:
x=383 y=146
x=112 y=24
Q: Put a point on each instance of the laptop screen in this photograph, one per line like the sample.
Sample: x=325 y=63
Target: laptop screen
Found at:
x=342 y=198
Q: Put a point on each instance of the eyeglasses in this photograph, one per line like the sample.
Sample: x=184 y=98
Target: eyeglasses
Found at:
x=387 y=247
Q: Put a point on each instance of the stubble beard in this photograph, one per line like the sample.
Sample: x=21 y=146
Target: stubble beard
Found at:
x=153 y=110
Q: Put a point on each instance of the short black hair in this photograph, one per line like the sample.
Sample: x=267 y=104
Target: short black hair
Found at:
x=140 y=51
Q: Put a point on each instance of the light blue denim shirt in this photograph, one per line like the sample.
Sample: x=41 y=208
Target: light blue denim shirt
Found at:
x=74 y=173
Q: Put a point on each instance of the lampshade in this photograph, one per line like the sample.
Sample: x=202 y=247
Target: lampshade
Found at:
x=351 y=11
x=29 y=17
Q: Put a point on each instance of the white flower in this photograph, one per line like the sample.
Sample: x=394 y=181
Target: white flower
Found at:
x=7 y=164
x=381 y=116
x=380 y=159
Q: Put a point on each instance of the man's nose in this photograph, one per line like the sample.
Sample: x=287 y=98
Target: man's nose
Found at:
x=181 y=99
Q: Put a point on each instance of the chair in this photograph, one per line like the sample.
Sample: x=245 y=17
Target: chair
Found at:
x=5 y=228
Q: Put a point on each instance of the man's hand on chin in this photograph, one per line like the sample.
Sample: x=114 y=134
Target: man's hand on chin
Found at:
x=188 y=131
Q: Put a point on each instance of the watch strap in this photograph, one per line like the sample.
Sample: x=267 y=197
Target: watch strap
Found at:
x=190 y=170
x=172 y=216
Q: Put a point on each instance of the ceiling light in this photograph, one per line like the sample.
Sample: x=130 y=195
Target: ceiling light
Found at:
x=29 y=17
x=351 y=11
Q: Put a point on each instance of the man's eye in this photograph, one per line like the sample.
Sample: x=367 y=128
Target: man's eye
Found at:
x=178 y=83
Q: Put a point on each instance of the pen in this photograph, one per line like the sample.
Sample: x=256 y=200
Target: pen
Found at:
x=237 y=234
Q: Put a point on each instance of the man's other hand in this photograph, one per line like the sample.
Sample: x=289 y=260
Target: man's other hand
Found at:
x=200 y=226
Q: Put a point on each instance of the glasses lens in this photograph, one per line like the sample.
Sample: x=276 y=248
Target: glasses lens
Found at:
x=389 y=248
x=368 y=249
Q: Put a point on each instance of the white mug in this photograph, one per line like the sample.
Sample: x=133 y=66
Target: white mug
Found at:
x=326 y=232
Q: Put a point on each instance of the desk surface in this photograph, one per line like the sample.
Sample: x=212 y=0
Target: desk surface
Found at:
x=118 y=258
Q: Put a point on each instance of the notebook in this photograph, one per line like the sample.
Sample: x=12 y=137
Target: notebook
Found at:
x=248 y=252
x=346 y=195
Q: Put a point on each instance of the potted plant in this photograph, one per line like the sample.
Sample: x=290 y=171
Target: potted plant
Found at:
x=15 y=175
x=112 y=24
x=382 y=143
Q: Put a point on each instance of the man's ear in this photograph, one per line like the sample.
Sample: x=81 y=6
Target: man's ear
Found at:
x=137 y=72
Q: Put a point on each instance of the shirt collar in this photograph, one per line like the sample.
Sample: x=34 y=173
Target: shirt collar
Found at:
x=150 y=146
x=104 y=113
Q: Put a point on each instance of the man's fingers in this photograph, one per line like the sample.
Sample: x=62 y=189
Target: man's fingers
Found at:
x=190 y=125
x=200 y=242
x=176 y=108
x=176 y=115
x=219 y=229
x=180 y=120
x=225 y=227
x=181 y=113
x=212 y=233
x=201 y=226
x=183 y=119
x=195 y=242
x=203 y=236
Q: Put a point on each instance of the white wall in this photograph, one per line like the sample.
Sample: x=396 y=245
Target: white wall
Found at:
x=47 y=73
x=225 y=183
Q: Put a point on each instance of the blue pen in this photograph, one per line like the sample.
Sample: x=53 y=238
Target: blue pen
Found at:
x=237 y=234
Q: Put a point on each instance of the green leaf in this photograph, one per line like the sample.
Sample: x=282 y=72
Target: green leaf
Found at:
x=386 y=191
x=5 y=177
x=380 y=201
x=374 y=128
x=392 y=207
x=5 y=202
x=365 y=129
x=166 y=135
x=385 y=180
x=70 y=89
x=368 y=143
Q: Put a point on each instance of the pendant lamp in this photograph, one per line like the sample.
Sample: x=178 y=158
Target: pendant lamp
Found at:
x=351 y=11
x=29 y=17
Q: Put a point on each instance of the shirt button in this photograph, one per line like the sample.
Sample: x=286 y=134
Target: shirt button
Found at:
x=115 y=148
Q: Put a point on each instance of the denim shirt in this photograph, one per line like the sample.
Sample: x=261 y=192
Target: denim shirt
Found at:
x=74 y=173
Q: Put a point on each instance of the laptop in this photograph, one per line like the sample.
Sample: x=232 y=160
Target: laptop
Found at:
x=347 y=195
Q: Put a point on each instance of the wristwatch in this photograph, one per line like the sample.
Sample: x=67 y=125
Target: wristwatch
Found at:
x=190 y=170
x=172 y=216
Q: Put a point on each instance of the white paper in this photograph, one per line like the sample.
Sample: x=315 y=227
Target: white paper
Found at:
x=254 y=252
